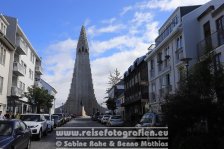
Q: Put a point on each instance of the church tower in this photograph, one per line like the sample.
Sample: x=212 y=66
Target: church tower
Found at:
x=81 y=92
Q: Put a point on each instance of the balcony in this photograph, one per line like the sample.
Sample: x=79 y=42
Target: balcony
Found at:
x=144 y=83
x=39 y=70
x=22 y=47
x=210 y=43
x=18 y=69
x=179 y=55
x=15 y=91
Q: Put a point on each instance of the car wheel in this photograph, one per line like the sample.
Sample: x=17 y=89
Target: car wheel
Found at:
x=28 y=145
x=39 y=136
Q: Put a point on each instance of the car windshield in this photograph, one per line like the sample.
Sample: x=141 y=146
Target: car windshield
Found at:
x=30 y=118
x=147 y=118
x=47 y=117
x=116 y=117
x=5 y=129
x=55 y=117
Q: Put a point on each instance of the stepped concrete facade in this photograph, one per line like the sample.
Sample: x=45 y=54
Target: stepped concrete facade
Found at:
x=81 y=98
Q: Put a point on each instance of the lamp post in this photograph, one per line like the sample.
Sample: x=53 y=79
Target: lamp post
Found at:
x=186 y=61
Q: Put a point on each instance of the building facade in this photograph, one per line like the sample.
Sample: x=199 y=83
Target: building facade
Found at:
x=6 y=58
x=181 y=43
x=26 y=66
x=115 y=93
x=136 y=90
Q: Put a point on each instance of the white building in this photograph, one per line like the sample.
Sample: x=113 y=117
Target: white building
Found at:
x=6 y=59
x=180 y=44
x=26 y=67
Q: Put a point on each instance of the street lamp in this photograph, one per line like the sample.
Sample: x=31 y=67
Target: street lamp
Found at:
x=186 y=61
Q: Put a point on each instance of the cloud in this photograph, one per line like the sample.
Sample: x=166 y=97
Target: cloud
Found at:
x=166 y=5
x=125 y=10
x=93 y=31
x=109 y=21
x=58 y=61
x=162 y=5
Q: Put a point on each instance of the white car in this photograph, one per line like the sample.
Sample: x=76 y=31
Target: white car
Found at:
x=50 y=122
x=37 y=124
x=115 y=120
x=104 y=119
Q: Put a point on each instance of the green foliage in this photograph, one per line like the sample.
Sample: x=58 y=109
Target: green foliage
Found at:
x=39 y=98
x=111 y=104
x=197 y=108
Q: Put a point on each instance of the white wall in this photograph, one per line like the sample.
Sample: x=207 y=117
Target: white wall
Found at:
x=4 y=72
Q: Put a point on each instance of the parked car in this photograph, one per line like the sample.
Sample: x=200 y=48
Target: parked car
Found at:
x=150 y=119
x=50 y=122
x=56 y=120
x=14 y=134
x=61 y=118
x=37 y=123
x=104 y=119
x=99 y=118
x=115 y=120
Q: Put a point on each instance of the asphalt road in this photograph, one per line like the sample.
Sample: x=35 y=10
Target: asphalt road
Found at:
x=48 y=142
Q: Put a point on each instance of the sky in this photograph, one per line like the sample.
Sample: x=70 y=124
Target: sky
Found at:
x=118 y=32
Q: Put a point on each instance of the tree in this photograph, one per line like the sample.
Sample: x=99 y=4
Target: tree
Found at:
x=114 y=78
x=39 y=98
x=196 y=110
x=111 y=104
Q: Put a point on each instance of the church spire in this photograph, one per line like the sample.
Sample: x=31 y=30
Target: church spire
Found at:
x=82 y=46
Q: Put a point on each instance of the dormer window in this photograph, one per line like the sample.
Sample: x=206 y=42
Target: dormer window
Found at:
x=3 y=27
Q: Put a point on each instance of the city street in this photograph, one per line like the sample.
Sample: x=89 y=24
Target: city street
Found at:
x=48 y=142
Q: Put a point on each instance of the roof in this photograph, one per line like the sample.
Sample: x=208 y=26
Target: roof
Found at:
x=135 y=64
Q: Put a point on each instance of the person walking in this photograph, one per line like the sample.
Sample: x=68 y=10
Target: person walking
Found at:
x=2 y=117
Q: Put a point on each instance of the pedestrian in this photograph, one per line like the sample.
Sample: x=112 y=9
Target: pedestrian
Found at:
x=17 y=116
x=7 y=115
x=2 y=117
x=12 y=115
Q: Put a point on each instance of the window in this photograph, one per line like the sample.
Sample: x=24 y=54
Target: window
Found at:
x=23 y=126
x=220 y=29
x=179 y=42
x=31 y=74
x=2 y=54
x=217 y=63
x=32 y=57
x=167 y=56
x=1 y=84
x=152 y=64
x=168 y=79
x=220 y=23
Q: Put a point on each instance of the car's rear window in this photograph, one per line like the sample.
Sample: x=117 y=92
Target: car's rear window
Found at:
x=30 y=117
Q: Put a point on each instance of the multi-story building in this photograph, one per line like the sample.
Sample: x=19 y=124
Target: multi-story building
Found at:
x=136 y=90
x=26 y=67
x=183 y=40
x=115 y=92
x=6 y=59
